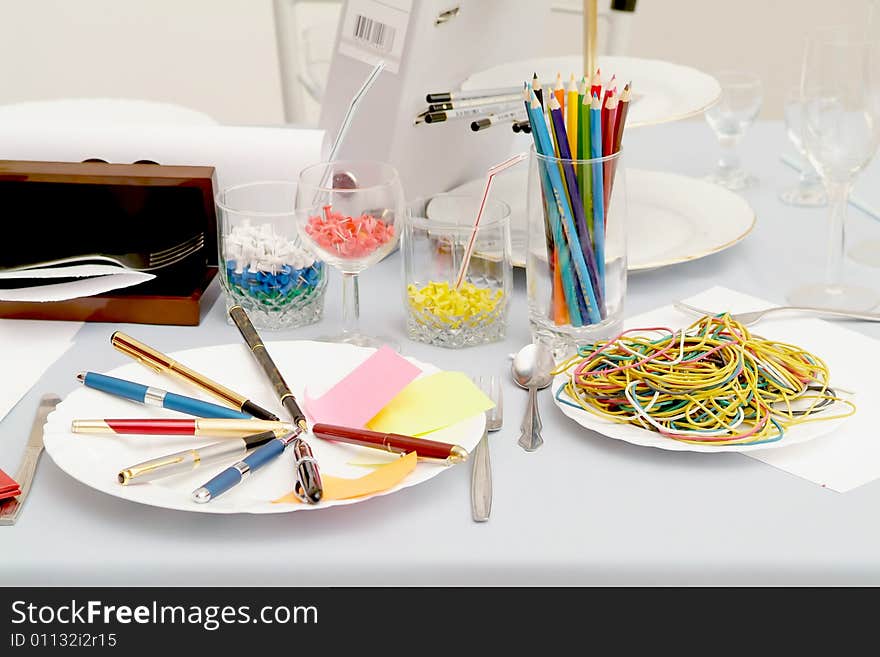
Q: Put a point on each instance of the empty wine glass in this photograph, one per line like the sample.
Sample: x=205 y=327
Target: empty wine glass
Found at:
x=809 y=192
x=346 y=212
x=729 y=118
x=841 y=92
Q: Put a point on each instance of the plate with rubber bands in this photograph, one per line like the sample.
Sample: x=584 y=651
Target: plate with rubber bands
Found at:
x=714 y=386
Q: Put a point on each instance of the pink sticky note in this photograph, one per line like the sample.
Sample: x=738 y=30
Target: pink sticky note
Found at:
x=364 y=392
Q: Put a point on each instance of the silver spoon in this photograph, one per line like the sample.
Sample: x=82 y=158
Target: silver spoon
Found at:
x=531 y=369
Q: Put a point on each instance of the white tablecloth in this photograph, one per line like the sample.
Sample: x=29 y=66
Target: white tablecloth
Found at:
x=581 y=510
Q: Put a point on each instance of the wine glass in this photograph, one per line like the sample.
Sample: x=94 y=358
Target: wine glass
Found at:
x=346 y=212
x=729 y=118
x=809 y=192
x=840 y=87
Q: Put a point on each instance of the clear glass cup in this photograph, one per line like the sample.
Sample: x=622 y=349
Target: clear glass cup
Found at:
x=347 y=211
x=730 y=118
x=841 y=94
x=561 y=282
x=809 y=192
x=263 y=264
x=435 y=237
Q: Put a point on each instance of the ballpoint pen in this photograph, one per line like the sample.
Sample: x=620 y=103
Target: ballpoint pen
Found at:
x=392 y=442
x=157 y=397
x=161 y=363
x=309 y=488
x=190 y=459
x=219 y=428
x=237 y=472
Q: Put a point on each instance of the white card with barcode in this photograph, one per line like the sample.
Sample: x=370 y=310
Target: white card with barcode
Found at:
x=374 y=30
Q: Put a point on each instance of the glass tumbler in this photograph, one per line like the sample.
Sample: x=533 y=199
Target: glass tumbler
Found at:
x=435 y=238
x=576 y=261
x=263 y=266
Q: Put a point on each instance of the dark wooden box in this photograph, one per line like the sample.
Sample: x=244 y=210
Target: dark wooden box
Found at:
x=51 y=210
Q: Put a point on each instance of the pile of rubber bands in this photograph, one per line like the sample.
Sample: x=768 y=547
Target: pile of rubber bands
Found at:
x=714 y=383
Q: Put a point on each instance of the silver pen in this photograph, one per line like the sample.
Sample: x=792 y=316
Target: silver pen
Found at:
x=190 y=459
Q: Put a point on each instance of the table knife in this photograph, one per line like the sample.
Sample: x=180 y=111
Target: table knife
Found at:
x=10 y=509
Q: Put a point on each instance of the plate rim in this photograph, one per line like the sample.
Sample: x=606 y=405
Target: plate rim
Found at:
x=634 y=124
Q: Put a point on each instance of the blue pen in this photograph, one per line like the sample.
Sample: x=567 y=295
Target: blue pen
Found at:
x=237 y=472
x=156 y=397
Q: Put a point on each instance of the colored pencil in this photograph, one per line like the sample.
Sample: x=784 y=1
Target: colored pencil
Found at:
x=575 y=199
x=598 y=186
x=609 y=118
x=596 y=83
x=536 y=87
x=559 y=92
x=582 y=270
x=571 y=116
x=559 y=308
x=585 y=173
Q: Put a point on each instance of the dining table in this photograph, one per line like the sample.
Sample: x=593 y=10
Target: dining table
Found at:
x=582 y=510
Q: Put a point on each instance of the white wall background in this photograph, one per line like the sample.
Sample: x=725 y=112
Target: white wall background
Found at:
x=220 y=56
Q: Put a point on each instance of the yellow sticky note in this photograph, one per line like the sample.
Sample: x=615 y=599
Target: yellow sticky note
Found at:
x=430 y=403
x=382 y=478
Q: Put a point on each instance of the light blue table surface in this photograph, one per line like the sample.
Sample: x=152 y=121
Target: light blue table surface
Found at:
x=582 y=510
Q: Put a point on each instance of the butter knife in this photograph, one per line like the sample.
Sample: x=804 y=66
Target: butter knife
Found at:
x=10 y=509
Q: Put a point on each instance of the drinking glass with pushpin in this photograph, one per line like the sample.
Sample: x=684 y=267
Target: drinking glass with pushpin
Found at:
x=263 y=265
x=347 y=211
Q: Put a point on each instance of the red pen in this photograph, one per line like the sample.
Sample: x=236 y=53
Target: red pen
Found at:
x=392 y=442
x=219 y=428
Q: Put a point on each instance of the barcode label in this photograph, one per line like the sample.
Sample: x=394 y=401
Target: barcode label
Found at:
x=379 y=35
x=375 y=29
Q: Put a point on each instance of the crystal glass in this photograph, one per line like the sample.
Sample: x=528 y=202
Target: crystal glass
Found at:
x=263 y=265
x=809 y=192
x=346 y=211
x=730 y=118
x=841 y=93
x=561 y=314
x=437 y=232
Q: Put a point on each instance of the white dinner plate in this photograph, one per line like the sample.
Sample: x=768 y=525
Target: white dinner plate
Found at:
x=662 y=91
x=95 y=460
x=698 y=218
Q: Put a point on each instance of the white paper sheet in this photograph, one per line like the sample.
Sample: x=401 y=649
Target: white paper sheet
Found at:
x=846 y=458
x=95 y=279
x=29 y=348
x=239 y=154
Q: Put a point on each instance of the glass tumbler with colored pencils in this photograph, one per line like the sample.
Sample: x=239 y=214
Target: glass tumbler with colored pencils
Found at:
x=576 y=261
x=452 y=299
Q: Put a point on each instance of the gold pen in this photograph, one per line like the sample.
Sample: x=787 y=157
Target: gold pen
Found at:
x=163 y=364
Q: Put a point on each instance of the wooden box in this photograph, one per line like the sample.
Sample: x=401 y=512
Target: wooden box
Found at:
x=52 y=210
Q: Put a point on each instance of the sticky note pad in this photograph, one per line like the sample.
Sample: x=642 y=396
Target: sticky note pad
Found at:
x=430 y=403
x=381 y=479
x=365 y=391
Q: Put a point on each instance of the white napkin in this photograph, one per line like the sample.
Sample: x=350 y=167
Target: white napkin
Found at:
x=846 y=458
x=94 y=279
x=30 y=347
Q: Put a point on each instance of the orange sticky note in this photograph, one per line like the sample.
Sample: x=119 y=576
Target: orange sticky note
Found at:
x=380 y=479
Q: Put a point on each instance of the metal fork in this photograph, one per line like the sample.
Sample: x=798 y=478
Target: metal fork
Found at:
x=135 y=261
x=481 y=469
x=747 y=319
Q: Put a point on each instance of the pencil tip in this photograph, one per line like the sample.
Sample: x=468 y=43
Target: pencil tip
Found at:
x=81 y=377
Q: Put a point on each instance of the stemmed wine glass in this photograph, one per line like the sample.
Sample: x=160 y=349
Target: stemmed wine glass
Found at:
x=809 y=192
x=346 y=212
x=840 y=87
x=729 y=118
